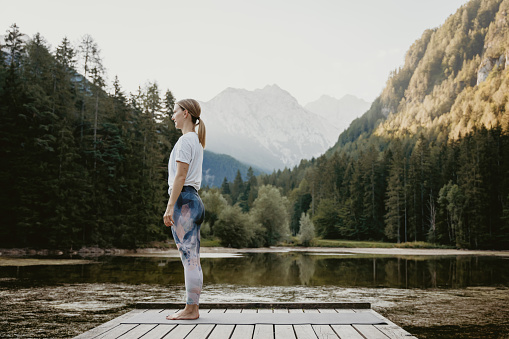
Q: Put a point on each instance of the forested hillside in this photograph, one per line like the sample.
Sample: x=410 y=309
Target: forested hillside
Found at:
x=79 y=166
x=429 y=161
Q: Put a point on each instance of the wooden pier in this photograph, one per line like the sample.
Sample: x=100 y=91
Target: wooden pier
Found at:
x=351 y=321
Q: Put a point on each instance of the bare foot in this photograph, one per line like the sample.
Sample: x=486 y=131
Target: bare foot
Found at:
x=185 y=314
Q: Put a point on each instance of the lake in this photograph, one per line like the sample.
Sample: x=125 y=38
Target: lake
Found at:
x=461 y=296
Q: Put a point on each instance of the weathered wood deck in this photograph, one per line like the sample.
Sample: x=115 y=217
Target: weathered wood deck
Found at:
x=116 y=329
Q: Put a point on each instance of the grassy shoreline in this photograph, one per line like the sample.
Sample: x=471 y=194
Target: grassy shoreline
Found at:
x=377 y=244
x=338 y=243
x=214 y=244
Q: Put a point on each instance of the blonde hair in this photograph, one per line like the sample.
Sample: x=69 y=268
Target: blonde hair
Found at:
x=193 y=107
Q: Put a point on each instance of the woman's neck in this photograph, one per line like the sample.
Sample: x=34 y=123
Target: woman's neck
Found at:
x=187 y=128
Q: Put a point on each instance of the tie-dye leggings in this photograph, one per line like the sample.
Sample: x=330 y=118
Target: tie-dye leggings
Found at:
x=188 y=216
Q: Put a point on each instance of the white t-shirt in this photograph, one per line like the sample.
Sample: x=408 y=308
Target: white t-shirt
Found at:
x=189 y=150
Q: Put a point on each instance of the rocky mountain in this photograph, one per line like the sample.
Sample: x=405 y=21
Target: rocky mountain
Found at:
x=339 y=112
x=266 y=128
x=453 y=81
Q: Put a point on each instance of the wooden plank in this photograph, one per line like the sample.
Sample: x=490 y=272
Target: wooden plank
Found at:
x=370 y=331
x=394 y=331
x=284 y=332
x=349 y=305
x=114 y=328
x=201 y=331
x=243 y=332
x=240 y=331
x=179 y=332
x=155 y=310
x=117 y=331
x=304 y=332
x=158 y=332
x=391 y=329
x=324 y=332
x=138 y=331
x=346 y=332
x=263 y=331
x=221 y=332
x=107 y=326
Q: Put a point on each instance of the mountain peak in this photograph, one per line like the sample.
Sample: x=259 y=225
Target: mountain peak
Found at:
x=247 y=125
x=271 y=90
x=274 y=89
x=326 y=97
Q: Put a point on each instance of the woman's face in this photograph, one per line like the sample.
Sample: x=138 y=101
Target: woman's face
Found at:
x=178 y=116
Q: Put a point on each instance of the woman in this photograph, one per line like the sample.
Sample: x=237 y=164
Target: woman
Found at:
x=185 y=210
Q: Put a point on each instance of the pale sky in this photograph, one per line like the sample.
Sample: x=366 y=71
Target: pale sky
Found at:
x=198 y=48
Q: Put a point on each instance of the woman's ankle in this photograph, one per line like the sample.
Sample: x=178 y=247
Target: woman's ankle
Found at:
x=191 y=308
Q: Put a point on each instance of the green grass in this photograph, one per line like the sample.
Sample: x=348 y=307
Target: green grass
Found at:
x=351 y=243
x=376 y=244
x=422 y=244
x=317 y=242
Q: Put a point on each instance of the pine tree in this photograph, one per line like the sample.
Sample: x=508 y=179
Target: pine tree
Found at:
x=395 y=193
x=13 y=127
x=372 y=185
x=237 y=187
x=250 y=191
x=225 y=190
x=88 y=51
x=64 y=93
x=420 y=184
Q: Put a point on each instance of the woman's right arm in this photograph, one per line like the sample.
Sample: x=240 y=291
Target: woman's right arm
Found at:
x=178 y=184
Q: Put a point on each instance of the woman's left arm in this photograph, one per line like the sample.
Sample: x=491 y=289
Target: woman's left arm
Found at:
x=178 y=183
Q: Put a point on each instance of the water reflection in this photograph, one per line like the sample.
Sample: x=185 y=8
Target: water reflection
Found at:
x=278 y=269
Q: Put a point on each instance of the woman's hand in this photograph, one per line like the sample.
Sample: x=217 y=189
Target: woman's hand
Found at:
x=168 y=216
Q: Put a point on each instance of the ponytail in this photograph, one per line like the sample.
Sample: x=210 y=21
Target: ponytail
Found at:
x=201 y=133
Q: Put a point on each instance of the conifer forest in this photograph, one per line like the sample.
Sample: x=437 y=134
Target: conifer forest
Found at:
x=85 y=164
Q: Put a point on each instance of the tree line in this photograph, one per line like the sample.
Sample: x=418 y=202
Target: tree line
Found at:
x=82 y=163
